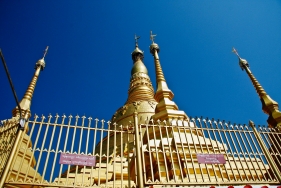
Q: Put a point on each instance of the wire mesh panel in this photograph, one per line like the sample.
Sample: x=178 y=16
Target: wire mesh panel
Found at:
x=203 y=151
x=72 y=152
x=8 y=132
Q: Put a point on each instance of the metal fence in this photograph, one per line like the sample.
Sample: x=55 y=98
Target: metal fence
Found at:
x=46 y=141
x=8 y=135
x=169 y=153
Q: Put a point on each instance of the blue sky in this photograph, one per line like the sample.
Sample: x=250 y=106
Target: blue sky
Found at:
x=89 y=60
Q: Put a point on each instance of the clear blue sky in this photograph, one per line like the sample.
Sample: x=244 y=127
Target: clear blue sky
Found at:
x=89 y=60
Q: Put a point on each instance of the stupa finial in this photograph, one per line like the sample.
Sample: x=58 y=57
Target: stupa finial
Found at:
x=152 y=37
x=242 y=62
x=136 y=40
x=45 y=52
x=235 y=51
x=137 y=54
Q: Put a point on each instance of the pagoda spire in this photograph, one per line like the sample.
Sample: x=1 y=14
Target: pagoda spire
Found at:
x=140 y=94
x=269 y=106
x=26 y=100
x=166 y=109
x=140 y=88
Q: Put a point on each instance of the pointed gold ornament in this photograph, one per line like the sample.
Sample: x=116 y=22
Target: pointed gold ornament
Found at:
x=269 y=106
x=27 y=98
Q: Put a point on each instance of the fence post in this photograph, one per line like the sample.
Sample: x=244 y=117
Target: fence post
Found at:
x=138 y=152
x=11 y=158
x=266 y=152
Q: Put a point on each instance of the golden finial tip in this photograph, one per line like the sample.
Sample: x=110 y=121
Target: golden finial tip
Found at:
x=137 y=51
x=152 y=37
x=235 y=51
x=41 y=62
x=153 y=46
x=136 y=40
x=45 y=52
x=242 y=62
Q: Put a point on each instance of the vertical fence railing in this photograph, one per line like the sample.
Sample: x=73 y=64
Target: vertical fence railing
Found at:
x=173 y=147
x=9 y=137
x=39 y=159
x=165 y=153
x=269 y=141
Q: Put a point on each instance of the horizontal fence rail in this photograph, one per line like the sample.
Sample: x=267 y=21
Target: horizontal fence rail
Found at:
x=85 y=152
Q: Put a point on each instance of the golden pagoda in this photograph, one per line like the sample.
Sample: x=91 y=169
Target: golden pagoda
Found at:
x=21 y=162
x=149 y=142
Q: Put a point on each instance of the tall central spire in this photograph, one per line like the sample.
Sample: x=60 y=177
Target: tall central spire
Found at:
x=140 y=84
x=141 y=92
x=166 y=109
x=269 y=106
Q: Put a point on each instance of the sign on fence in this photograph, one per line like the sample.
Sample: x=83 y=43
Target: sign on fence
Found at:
x=211 y=158
x=76 y=159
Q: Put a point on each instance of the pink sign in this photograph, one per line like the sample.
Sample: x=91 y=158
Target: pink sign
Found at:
x=76 y=159
x=211 y=158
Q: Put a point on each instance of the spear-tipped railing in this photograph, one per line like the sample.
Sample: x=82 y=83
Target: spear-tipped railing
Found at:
x=200 y=151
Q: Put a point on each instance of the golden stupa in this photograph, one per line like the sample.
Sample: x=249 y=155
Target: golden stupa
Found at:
x=150 y=142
